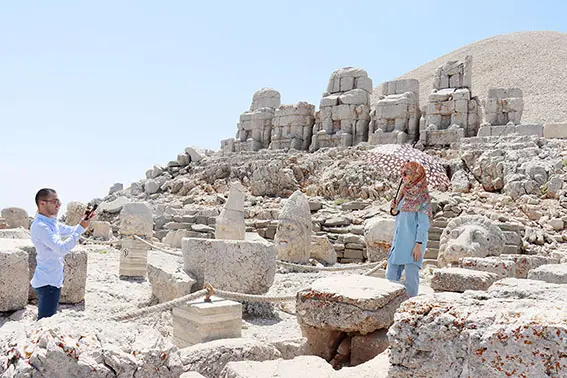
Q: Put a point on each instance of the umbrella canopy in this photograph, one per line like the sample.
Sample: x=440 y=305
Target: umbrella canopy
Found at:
x=392 y=157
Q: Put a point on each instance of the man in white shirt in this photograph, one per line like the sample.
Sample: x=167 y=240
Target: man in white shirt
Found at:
x=46 y=234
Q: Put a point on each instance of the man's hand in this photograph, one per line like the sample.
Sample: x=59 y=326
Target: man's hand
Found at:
x=87 y=221
x=416 y=253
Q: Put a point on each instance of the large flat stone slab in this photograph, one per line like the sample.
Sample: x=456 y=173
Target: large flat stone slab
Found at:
x=517 y=329
x=350 y=303
x=552 y=273
x=459 y=279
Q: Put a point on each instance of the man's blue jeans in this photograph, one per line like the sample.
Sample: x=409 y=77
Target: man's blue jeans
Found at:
x=411 y=282
x=47 y=301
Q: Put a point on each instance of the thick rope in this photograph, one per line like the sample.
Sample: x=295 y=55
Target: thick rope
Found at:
x=327 y=268
x=160 y=307
x=100 y=242
x=253 y=298
x=173 y=253
x=371 y=271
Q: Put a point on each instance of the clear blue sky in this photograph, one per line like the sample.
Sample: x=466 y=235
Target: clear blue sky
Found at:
x=93 y=93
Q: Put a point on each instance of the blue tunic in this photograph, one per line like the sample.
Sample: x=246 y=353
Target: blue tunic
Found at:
x=409 y=228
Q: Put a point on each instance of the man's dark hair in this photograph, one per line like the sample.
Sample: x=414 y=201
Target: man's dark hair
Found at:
x=43 y=194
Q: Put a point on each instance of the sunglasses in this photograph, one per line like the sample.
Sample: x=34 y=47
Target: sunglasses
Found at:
x=55 y=201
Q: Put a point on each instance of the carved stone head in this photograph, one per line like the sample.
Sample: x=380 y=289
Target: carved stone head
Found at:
x=469 y=236
x=293 y=235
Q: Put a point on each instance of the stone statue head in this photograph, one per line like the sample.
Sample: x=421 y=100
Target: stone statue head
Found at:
x=469 y=236
x=293 y=235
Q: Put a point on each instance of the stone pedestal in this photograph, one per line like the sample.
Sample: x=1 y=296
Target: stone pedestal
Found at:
x=199 y=321
x=133 y=258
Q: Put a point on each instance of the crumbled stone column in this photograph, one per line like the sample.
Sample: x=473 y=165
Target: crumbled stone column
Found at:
x=135 y=220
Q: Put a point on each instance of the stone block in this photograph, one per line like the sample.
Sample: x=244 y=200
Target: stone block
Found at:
x=136 y=219
x=210 y=358
x=75 y=274
x=551 y=273
x=499 y=266
x=346 y=83
x=199 y=321
x=378 y=235
x=14 y=279
x=15 y=217
x=101 y=230
x=321 y=342
x=515 y=329
x=355 y=97
x=555 y=130
x=173 y=237
x=167 y=277
x=525 y=263
x=350 y=303
x=322 y=250
x=364 y=348
x=191 y=374
x=244 y=266
x=534 y=129
x=133 y=258
x=459 y=280
x=363 y=83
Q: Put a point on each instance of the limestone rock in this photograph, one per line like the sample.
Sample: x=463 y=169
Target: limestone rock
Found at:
x=101 y=230
x=525 y=263
x=230 y=222
x=293 y=235
x=322 y=250
x=517 y=328
x=272 y=179
x=350 y=303
x=469 y=236
x=366 y=347
x=553 y=273
x=460 y=280
x=15 y=217
x=195 y=154
x=113 y=207
x=191 y=374
x=15 y=233
x=136 y=219
x=460 y=182
x=75 y=274
x=75 y=213
x=299 y=366
x=174 y=237
x=14 y=275
x=167 y=277
x=116 y=188
x=151 y=186
x=244 y=266
x=378 y=234
x=211 y=357
x=499 y=266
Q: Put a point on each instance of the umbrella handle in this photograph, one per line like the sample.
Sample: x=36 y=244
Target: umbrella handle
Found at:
x=396 y=197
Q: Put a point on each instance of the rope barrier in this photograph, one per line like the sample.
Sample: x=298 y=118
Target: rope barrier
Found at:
x=208 y=291
x=100 y=242
x=328 y=268
x=173 y=253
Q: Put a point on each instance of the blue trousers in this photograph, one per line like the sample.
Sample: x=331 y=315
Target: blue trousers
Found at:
x=47 y=301
x=411 y=282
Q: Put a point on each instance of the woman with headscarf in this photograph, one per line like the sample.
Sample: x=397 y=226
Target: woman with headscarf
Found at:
x=413 y=212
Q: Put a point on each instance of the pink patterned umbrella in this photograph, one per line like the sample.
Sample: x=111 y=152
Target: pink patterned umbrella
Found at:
x=392 y=157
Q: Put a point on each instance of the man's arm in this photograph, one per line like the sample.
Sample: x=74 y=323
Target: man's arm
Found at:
x=65 y=230
x=54 y=242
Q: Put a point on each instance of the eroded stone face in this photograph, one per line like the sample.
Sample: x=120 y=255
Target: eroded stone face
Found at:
x=293 y=235
x=469 y=236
